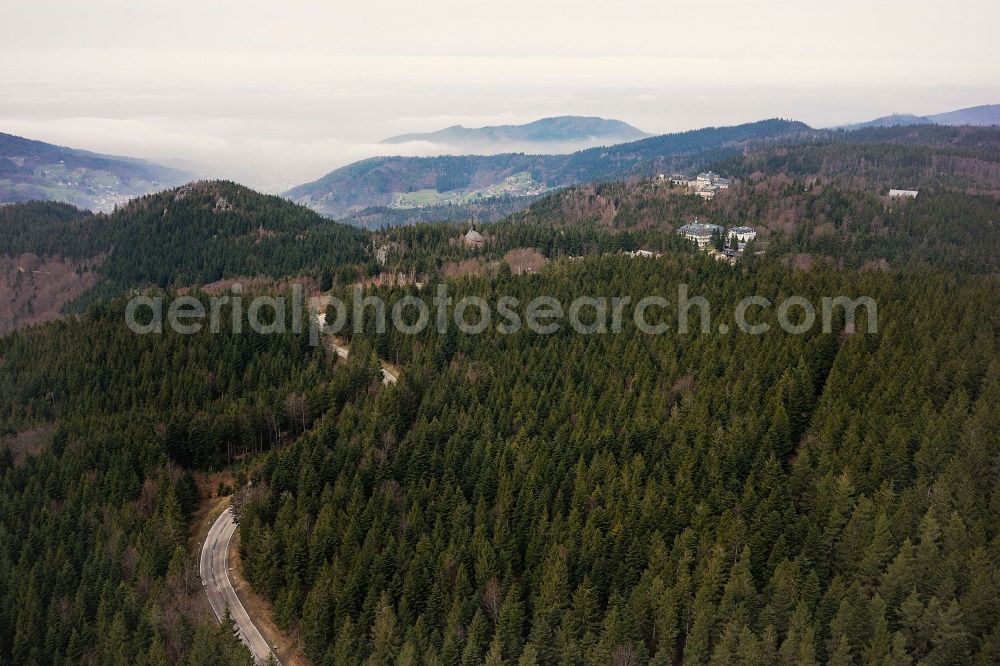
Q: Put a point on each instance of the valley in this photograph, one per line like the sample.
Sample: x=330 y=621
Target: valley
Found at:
x=372 y=182
x=517 y=185
x=33 y=170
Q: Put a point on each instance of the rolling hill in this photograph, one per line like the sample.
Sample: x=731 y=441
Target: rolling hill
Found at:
x=546 y=135
x=986 y=114
x=980 y=116
x=377 y=181
x=35 y=170
x=196 y=234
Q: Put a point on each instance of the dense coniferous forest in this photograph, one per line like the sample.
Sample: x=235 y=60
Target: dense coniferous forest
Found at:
x=880 y=166
x=209 y=231
x=48 y=228
x=95 y=526
x=680 y=499
x=984 y=139
x=191 y=235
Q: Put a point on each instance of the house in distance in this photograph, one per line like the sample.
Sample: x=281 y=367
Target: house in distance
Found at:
x=700 y=232
x=707 y=184
x=743 y=235
x=473 y=239
x=717 y=241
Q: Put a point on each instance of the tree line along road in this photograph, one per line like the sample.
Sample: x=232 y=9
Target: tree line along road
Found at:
x=214 y=567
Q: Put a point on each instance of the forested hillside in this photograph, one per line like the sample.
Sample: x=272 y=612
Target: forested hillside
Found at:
x=208 y=231
x=188 y=236
x=881 y=166
x=48 y=228
x=627 y=498
x=827 y=498
x=817 y=202
x=372 y=182
x=94 y=549
x=951 y=138
x=960 y=158
x=34 y=170
x=47 y=257
x=483 y=212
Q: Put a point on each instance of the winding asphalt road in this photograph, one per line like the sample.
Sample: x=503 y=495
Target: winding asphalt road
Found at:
x=214 y=567
x=214 y=571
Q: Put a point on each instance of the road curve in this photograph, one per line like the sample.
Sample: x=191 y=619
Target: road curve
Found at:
x=214 y=569
x=342 y=352
x=214 y=565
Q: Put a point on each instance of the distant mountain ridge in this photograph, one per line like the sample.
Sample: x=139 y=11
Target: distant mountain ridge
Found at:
x=558 y=129
x=35 y=170
x=980 y=116
x=373 y=182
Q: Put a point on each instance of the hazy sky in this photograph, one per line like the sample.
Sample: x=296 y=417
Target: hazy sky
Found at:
x=276 y=93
